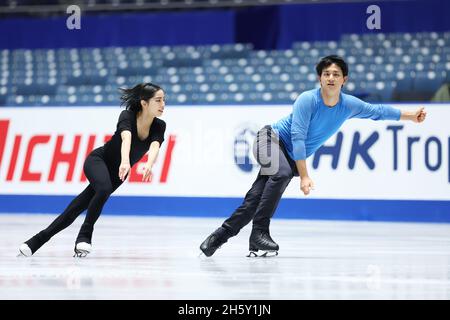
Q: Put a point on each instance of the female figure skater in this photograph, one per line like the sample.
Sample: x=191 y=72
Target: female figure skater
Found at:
x=138 y=131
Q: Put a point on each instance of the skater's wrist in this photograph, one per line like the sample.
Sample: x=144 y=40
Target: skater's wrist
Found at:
x=301 y=168
x=406 y=115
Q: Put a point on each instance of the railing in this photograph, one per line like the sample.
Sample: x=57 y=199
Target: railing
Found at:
x=46 y=7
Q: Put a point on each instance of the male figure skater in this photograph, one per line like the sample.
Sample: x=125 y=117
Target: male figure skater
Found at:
x=282 y=148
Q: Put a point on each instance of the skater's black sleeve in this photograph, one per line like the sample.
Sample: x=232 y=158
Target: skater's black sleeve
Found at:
x=157 y=131
x=124 y=122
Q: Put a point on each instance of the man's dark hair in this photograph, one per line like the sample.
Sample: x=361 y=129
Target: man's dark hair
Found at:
x=328 y=61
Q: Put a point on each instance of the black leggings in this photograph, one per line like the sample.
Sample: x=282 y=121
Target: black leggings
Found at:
x=92 y=198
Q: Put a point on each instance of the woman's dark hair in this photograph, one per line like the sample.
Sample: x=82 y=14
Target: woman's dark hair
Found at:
x=132 y=97
x=328 y=61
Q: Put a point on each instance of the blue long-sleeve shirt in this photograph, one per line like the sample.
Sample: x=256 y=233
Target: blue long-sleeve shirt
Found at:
x=311 y=122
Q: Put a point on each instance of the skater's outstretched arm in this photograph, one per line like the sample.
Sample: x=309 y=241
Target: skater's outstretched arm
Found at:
x=125 y=154
x=361 y=109
x=152 y=155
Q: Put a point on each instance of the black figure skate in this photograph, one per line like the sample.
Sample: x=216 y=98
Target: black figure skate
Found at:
x=260 y=240
x=214 y=241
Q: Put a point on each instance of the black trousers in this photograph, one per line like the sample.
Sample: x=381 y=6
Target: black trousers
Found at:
x=261 y=201
x=91 y=199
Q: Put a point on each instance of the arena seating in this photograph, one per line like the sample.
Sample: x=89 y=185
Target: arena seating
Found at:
x=383 y=68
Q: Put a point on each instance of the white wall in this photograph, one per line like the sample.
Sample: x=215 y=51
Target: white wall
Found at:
x=202 y=159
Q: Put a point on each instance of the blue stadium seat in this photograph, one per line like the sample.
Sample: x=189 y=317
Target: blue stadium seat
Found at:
x=427 y=81
x=220 y=74
x=36 y=89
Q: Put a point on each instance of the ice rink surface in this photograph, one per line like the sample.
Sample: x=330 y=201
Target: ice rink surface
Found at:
x=157 y=258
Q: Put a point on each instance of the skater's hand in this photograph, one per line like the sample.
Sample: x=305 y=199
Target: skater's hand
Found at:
x=123 y=170
x=420 y=115
x=147 y=173
x=306 y=184
x=417 y=116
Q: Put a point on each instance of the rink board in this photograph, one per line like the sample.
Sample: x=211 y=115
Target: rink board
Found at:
x=368 y=170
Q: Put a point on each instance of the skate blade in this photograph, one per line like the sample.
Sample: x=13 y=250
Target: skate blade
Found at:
x=81 y=254
x=264 y=254
x=207 y=256
x=21 y=255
